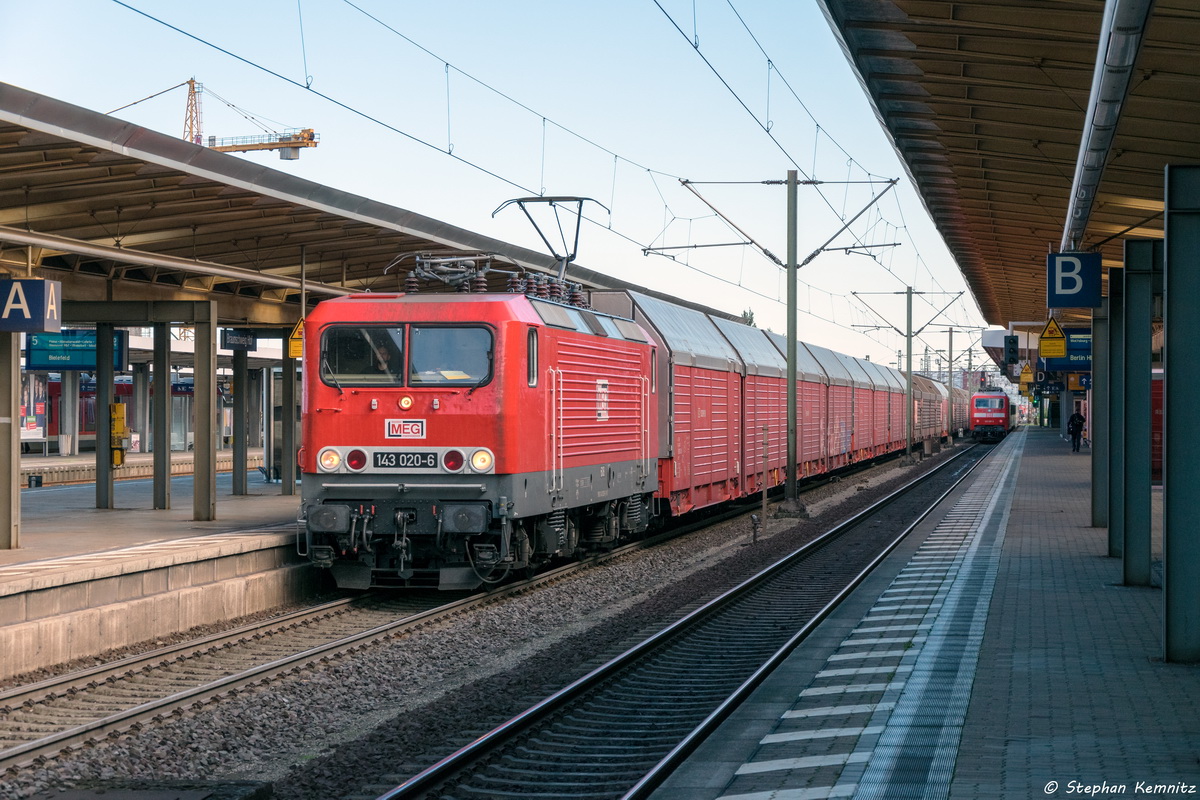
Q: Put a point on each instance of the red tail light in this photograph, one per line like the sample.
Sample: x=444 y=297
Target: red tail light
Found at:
x=452 y=460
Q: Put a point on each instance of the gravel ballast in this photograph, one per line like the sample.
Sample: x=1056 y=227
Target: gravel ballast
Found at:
x=394 y=708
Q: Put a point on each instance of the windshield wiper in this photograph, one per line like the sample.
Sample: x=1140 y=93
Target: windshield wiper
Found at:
x=485 y=377
x=325 y=366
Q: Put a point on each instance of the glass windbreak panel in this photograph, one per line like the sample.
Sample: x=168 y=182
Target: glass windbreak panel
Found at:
x=447 y=356
x=363 y=356
x=989 y=402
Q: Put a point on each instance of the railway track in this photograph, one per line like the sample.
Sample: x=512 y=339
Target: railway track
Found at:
x=40 y=721
x=612 y=733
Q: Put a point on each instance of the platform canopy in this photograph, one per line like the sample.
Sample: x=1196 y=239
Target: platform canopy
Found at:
x=995 y=112
x=117 y=211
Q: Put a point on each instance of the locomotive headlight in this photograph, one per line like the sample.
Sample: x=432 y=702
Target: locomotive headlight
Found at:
x=356 y=460
x=481 y=461
x=405 y=403
x=329 y=460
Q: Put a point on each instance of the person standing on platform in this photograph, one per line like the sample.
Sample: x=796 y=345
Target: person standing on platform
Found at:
x=1075 y=428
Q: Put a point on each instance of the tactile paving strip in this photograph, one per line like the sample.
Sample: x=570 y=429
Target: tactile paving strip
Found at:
x=884 y=717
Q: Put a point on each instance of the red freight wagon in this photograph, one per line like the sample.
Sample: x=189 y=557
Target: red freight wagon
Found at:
x=764 y=404
x=812 y=408
x=839 y=420
x=700 y=451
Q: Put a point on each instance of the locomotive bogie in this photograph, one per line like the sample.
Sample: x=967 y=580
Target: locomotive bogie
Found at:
x=386 y=532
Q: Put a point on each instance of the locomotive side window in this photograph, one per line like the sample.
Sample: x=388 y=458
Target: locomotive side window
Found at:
x=532 y=360
x=358 y=355
x=448 y=356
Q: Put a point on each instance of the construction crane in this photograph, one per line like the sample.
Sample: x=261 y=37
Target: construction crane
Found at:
x=288 y=142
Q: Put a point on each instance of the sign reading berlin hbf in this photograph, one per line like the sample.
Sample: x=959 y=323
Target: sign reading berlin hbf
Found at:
x=1073 y=280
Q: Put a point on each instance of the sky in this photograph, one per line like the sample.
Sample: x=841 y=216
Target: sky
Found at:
x=451 y=108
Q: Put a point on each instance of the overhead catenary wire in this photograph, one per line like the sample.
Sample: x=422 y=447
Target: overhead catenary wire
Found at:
x=767 y=128
x=417 y=139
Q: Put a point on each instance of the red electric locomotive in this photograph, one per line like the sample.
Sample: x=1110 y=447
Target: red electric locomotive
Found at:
x=992 y=415
x=452 y=439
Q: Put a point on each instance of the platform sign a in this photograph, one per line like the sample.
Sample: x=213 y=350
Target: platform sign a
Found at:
x=1073 y=280
x=31 y=305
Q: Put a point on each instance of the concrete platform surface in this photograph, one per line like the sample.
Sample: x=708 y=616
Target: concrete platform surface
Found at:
x=995 y=656
x=62 y=519
x=85 y=580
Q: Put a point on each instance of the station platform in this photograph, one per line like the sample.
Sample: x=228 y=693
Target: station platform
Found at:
x=993 y=655
x=50 y=470
x=84 y=580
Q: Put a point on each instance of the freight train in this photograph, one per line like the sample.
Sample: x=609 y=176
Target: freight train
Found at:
x=453 y=439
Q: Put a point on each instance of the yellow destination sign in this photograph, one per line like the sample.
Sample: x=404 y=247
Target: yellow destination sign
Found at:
x=1053 y=342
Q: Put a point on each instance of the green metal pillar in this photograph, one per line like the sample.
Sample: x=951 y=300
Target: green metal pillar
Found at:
x=1098 y=424
x=1141 y=260
x=161 y=417
x=1181 y=437
x=104 y=398
x=241 y=410
x=10 y=439
x=287 y=416
x=1116 y=415
x=204 y=398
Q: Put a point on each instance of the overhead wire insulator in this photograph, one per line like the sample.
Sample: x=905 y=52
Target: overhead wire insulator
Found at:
x=578 y=296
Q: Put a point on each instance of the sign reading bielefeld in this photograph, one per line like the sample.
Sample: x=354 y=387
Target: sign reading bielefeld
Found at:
x=1073 y=280
x=30 y=305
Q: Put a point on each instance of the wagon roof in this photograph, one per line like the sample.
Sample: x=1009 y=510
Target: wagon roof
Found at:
x=755 y=349
x=883 y=376
x=807 y=367
x=838 y=374
x=690 y=335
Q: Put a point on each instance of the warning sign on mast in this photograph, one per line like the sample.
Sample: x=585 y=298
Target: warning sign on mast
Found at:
x=1053 y=342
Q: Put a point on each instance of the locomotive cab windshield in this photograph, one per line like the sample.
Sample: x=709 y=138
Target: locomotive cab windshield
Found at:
x=436 y=355
x=363 y=355
x=449 y=356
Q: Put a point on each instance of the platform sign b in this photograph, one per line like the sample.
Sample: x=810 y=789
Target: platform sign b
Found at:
x=1073 y=280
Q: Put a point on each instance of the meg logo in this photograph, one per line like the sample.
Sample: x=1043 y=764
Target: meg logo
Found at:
x=405 y=429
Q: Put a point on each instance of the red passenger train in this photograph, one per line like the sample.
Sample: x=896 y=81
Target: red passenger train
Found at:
x=453 y=438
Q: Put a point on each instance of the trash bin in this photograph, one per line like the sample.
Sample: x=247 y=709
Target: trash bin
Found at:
x=35 y=481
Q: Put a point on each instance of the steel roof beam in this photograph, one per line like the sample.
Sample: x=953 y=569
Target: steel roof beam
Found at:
x=124 y=256
x=1121 y=35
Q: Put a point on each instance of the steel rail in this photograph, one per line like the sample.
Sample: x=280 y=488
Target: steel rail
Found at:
x=47 y=747
x=90 y=678
x=475 y=750
x=652 y=779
